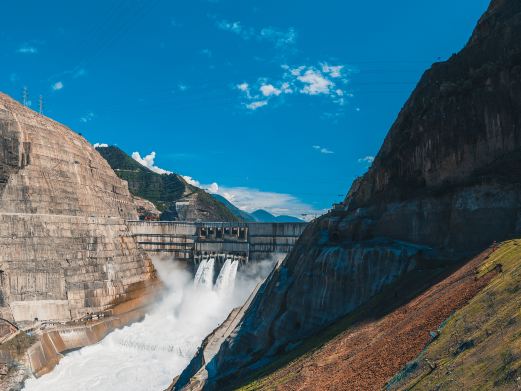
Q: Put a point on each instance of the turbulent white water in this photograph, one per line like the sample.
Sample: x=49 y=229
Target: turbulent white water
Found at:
x=149 y=354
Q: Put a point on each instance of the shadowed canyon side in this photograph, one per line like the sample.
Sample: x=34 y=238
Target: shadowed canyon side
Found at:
x=65 y=249
x=443 y=187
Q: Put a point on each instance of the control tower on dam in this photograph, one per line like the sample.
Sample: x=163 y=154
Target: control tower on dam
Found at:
x=194 y=241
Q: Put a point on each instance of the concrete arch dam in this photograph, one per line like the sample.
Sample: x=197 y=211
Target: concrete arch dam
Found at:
x=195 y=241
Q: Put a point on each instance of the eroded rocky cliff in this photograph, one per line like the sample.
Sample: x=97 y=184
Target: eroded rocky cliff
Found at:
x=65 y=249
x=445 y=184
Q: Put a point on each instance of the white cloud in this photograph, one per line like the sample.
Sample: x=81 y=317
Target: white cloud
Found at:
x=325 y=80
x=148 y=162
x=27 y=49
x=243 y=87
x=57 y=86
x=315 y=83
x=101 y=145
x=211 y=188
x=367 y=159
x=256 y=105
x=87 y=117
x=269 y=89
x=323 y=150
x=286 y=88
x=335 y=71
x=250 y=200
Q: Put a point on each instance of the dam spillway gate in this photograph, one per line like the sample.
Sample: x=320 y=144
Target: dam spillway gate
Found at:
x=195 y=241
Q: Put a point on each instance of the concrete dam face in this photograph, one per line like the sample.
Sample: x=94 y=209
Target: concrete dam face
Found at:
x=198 y=241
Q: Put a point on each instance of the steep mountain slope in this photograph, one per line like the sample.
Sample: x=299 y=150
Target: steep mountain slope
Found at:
x=445 y=185
x=164 y=191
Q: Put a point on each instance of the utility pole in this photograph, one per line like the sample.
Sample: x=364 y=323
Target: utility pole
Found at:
x=40 y=104
x=25 y=96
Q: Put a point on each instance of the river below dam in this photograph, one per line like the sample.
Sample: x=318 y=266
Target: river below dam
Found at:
x=147 y=355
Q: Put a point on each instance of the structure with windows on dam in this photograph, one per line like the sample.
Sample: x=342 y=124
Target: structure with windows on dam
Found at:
x=196 y=241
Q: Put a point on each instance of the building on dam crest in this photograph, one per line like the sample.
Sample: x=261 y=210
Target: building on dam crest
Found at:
x=194 y=241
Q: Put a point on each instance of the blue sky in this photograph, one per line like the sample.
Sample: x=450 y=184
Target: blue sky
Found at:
x=274 y=104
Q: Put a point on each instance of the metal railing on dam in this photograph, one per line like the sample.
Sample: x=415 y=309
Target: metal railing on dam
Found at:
x=198 y=240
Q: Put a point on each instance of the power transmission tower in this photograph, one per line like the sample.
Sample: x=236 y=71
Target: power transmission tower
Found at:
x=25 y=96
x=40 y=104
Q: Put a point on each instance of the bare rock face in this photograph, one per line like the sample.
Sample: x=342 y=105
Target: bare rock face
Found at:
x=445 y=184
x=65 y=250
x=146 y=210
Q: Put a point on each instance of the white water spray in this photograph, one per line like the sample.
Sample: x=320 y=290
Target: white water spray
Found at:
x=147 y=355
x=199 y=272
x=204 y=274
x=226 y=279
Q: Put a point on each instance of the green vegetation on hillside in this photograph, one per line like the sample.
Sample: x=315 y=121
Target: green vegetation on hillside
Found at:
x=144 y=183
x=479 y=347
x=162 y=190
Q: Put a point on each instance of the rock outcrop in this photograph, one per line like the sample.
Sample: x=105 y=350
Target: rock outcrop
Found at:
x=65 y=249
x=445 y=184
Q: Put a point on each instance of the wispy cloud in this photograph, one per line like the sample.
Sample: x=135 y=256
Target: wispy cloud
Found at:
x=236 y=28
x=250 y=200
x=280 y=38
x=323 y=150
x=87 y=117
x=182 y=87
x=78 y=72
x=149 y=162
x=57 y=86
x=206 y=53
x=100 y=145
x=256 y=105
x=366 y=159
x=322 y=80
x=175 y=23
x=27 y=49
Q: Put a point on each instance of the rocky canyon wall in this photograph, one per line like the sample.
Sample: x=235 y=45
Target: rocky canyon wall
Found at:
x=65 y=249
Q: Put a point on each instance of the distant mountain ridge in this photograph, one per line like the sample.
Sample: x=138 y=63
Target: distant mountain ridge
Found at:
x=259 y=216
x=170 y=193
x=263 y=216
